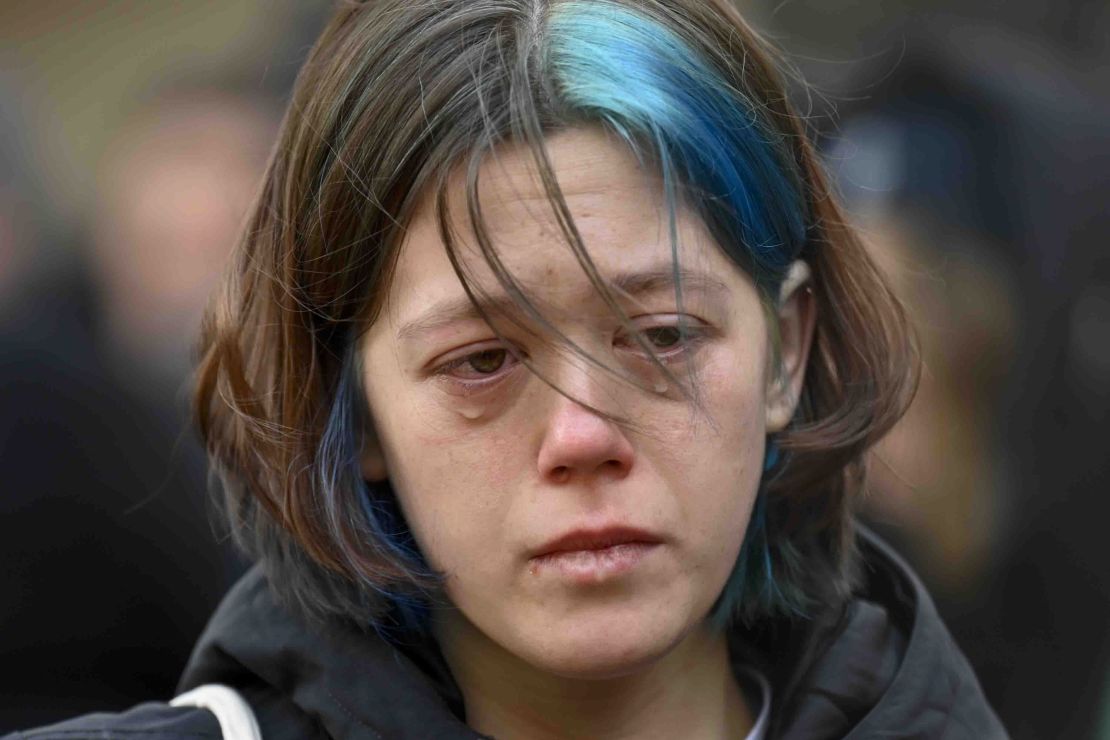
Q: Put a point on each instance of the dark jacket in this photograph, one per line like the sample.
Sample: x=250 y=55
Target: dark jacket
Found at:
x=884 y=667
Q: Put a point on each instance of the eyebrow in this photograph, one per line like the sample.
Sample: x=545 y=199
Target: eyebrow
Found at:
x=652 y=281
x=623 y=285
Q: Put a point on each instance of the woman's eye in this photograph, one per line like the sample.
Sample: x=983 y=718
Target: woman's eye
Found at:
x=672 y=341
x=474 y=369
x=663 y=337
x=487 y=361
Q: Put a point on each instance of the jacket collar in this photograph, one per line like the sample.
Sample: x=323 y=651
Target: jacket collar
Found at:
x=349 y=683
x=885 y=663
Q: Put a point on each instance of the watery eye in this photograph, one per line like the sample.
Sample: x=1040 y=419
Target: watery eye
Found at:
x=663 y=336
x=487 y=362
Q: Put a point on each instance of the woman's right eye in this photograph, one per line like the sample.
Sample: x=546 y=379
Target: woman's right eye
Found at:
x=486 y=362
x=474 y=369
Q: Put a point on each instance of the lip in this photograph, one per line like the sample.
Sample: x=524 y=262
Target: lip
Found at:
x=587 y=556
x=596 y=539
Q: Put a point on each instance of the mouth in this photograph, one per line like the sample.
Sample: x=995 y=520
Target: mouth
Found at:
x=591 y=556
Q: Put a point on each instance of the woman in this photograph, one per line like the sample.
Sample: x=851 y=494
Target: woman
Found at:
x=540 y=389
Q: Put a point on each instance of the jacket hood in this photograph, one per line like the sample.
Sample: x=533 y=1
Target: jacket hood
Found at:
x=885 y=667
x=885 y=664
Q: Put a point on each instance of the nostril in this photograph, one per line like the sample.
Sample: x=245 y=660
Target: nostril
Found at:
x=578 y=442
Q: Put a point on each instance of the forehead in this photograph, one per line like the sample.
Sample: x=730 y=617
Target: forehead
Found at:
x=616 y=204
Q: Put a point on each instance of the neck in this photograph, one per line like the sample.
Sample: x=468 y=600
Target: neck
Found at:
x=690 y=692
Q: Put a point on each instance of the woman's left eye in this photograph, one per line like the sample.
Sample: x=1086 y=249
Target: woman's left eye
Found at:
x=669 y=340
x=663 y=337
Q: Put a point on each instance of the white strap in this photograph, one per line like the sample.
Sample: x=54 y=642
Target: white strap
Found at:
x=236 y=719
x=759 y=729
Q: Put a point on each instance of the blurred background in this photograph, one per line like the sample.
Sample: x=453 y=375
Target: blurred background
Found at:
x=969 y=139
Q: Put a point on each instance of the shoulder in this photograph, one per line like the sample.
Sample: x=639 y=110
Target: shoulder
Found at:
x=933 y=688
x=150 y=721
x=884 y=665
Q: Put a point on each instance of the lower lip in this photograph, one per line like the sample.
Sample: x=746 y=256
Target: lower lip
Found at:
x=593 y=566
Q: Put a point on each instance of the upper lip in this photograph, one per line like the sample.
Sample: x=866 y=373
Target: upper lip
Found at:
x=596 y=539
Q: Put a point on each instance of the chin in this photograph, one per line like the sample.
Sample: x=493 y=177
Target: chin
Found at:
x=612 y=648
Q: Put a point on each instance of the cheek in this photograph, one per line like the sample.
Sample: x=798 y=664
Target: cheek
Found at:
x=477 y=461
x=720 y=480
x=451 y=487
x=730 y=426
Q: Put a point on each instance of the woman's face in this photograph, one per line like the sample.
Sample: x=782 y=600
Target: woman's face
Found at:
x=582 y=547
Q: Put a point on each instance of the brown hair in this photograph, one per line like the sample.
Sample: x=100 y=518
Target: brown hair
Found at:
x=394 y=96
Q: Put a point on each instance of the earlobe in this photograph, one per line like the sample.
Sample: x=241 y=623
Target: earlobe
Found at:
x=796 y=315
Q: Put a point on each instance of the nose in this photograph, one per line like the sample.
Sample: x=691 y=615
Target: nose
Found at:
x=581 y=444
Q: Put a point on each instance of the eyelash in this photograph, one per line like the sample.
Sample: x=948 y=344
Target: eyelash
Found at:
x=691 y=333
x=446 y=369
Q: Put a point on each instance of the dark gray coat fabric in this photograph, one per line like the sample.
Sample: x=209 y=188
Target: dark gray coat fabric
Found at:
x=884 y=667
x=887 y=668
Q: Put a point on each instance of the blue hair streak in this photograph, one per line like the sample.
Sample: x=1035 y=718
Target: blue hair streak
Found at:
x=378 y=515
x=612 y=64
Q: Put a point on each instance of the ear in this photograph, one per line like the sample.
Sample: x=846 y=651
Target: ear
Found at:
x=796 y=314
x=371 y=458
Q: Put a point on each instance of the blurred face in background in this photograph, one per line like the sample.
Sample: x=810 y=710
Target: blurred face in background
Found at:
x=174 y=192
x=571 y=543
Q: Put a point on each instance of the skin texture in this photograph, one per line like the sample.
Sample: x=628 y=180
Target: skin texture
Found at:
x=490 y=463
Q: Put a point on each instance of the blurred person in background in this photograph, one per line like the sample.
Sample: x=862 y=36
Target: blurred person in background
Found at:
x=980 y=164
x=946 y=516
x=173 y=190
x=112 y=563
